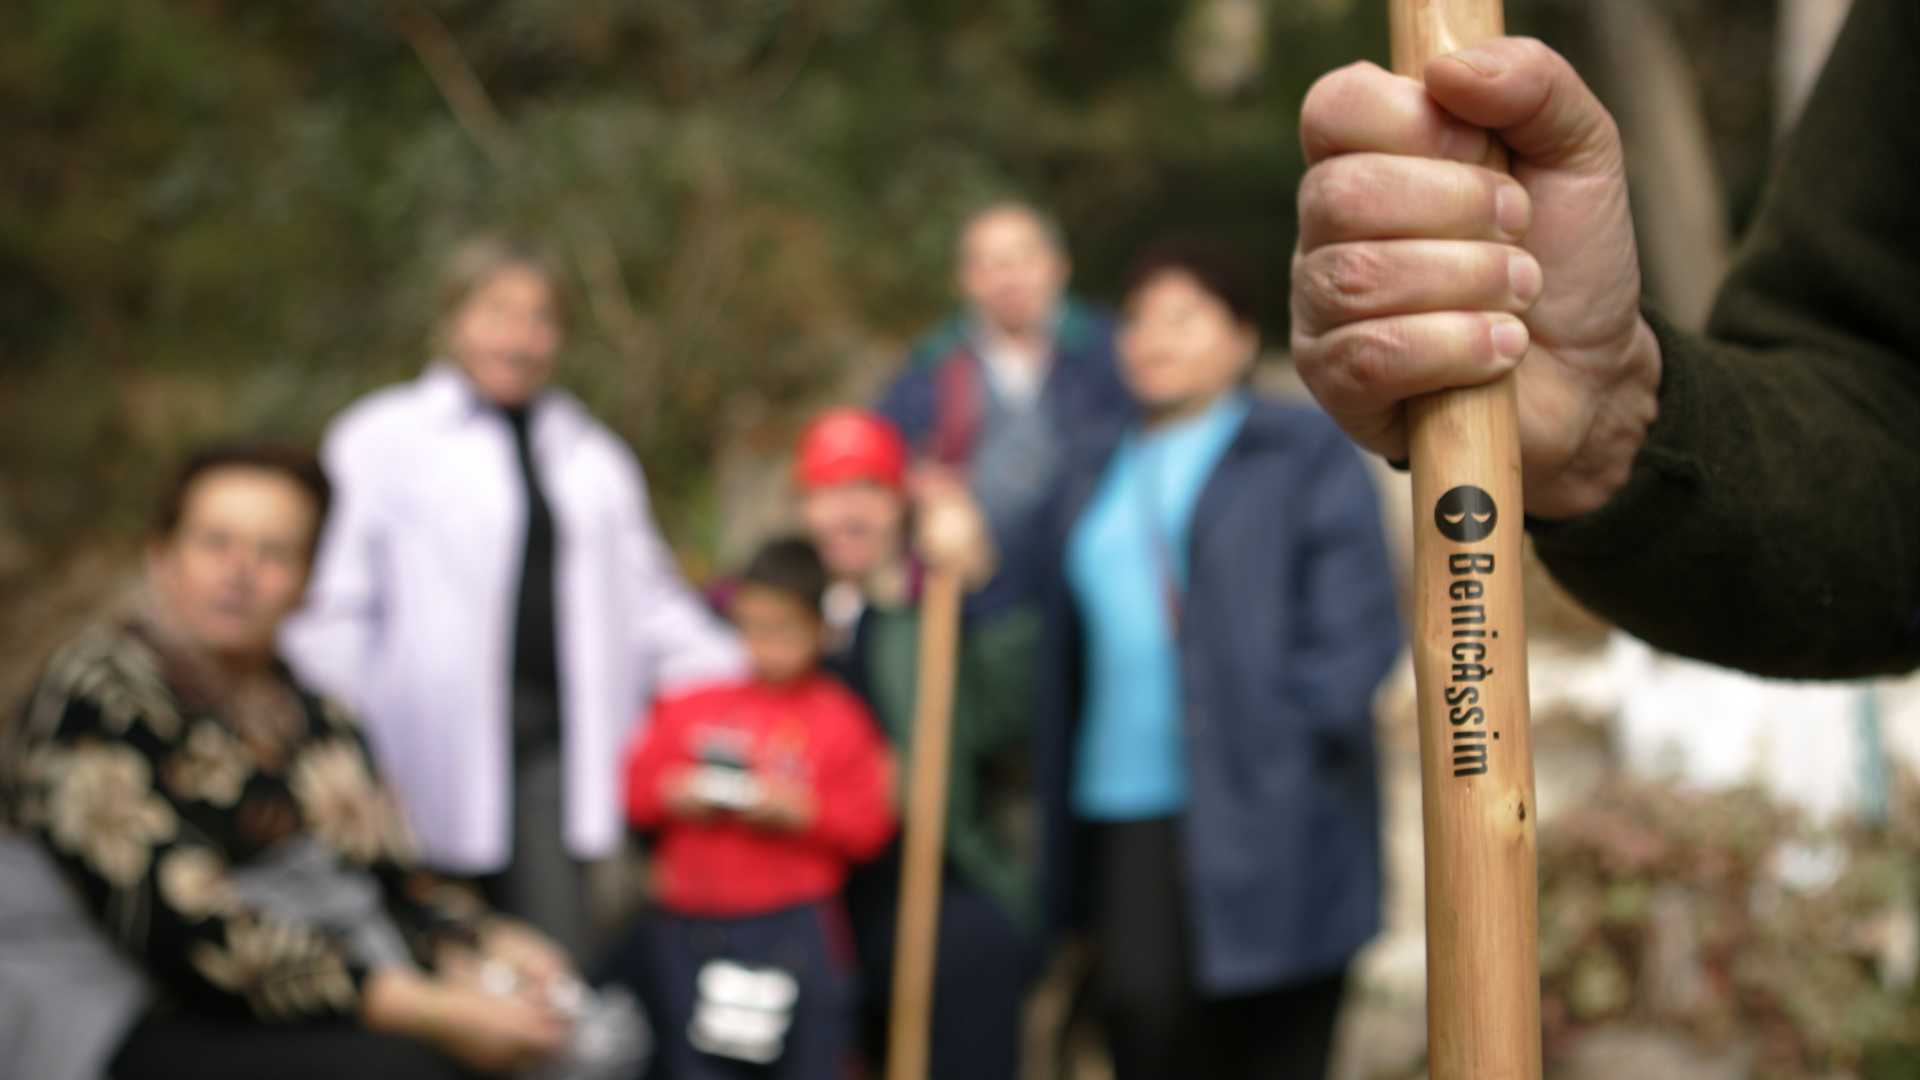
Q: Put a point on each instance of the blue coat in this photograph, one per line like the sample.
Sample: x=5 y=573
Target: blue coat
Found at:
x=1288 y=625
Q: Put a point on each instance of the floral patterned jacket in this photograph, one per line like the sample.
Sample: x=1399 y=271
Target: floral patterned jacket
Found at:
x=149 y=799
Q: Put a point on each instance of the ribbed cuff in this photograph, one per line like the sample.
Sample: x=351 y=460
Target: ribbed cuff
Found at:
x=1666 y=477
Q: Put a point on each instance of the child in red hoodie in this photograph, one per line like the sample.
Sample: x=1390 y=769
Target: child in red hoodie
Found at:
x=758 y=796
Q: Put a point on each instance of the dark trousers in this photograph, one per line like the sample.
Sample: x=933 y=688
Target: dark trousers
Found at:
x=984 y=966
x=1159 y=1023
x=661 y=957
x=182 y=1046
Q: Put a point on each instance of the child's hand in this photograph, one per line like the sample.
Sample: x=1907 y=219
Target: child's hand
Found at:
x=783 y=807
x=680 y=793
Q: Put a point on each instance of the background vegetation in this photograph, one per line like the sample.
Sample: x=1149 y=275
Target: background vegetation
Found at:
x=221 y=216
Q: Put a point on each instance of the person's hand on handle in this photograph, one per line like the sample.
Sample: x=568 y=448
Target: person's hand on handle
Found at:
x=1420 y=268
x=951 y=531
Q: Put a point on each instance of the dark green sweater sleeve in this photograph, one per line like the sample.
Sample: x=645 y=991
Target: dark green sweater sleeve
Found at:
x=1772 y=521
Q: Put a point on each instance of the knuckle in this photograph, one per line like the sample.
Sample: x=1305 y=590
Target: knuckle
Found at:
x=1607 y=137
x=1334 y=197
x=1306 y=358
x=1307 y=196
x=1336 y=284
x=1532 y=51
x=1609 y=127
x=1314 y=362
x=1352 y=272
x=1311 y=356
x=1364 y=358
x=1301 y=306
x=1329 y=104
x=1317 y=110
x=1474 y=194
x=1330 y=89
x=1530 y=54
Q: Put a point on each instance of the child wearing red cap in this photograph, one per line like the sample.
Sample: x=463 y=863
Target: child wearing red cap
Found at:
x=850 y=472
x=758 y=796
x=845 y=446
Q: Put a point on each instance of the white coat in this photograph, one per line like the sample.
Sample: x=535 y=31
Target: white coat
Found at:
x=410 y=617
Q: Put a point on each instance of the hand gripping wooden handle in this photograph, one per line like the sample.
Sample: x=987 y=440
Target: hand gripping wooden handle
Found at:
x=1470 y=669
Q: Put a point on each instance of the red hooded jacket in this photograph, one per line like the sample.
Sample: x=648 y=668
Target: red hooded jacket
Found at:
x=814 y=733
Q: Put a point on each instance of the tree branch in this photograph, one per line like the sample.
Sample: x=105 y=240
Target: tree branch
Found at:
x=588 y=243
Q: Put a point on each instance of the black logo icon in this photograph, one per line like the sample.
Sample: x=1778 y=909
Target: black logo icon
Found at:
x=1465 y=514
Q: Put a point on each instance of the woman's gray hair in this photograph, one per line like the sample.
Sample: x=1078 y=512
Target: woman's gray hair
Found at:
x=479 y=259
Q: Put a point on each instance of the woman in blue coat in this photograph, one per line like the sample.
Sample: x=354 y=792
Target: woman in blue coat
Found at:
x=1221 y=611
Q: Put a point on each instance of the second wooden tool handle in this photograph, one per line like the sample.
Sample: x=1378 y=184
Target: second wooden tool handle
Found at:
x=917 y=932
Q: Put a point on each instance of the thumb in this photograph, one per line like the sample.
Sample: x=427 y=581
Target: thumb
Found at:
x=1533 y=98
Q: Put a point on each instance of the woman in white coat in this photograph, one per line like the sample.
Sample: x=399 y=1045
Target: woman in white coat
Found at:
x=494 y=596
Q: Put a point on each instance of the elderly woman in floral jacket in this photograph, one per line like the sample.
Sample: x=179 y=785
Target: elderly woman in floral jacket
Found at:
x=203 y=876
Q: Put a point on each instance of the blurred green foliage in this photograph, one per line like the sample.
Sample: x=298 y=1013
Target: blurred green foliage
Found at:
x=221 y=216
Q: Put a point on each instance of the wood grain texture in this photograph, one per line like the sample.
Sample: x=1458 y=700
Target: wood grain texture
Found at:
x=923 y=842
x=1470 y=668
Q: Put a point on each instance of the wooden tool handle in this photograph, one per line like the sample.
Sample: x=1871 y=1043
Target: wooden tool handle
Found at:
x=925 y=828
x=1470 y=669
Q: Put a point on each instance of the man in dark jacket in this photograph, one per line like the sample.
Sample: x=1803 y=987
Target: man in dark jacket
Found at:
x=990 y=395
x=1748 y=496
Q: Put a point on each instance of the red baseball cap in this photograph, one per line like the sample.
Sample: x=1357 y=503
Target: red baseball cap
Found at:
x=846 y=445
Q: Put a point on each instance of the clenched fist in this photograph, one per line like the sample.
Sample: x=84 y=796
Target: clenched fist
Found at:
x=1420 y=268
